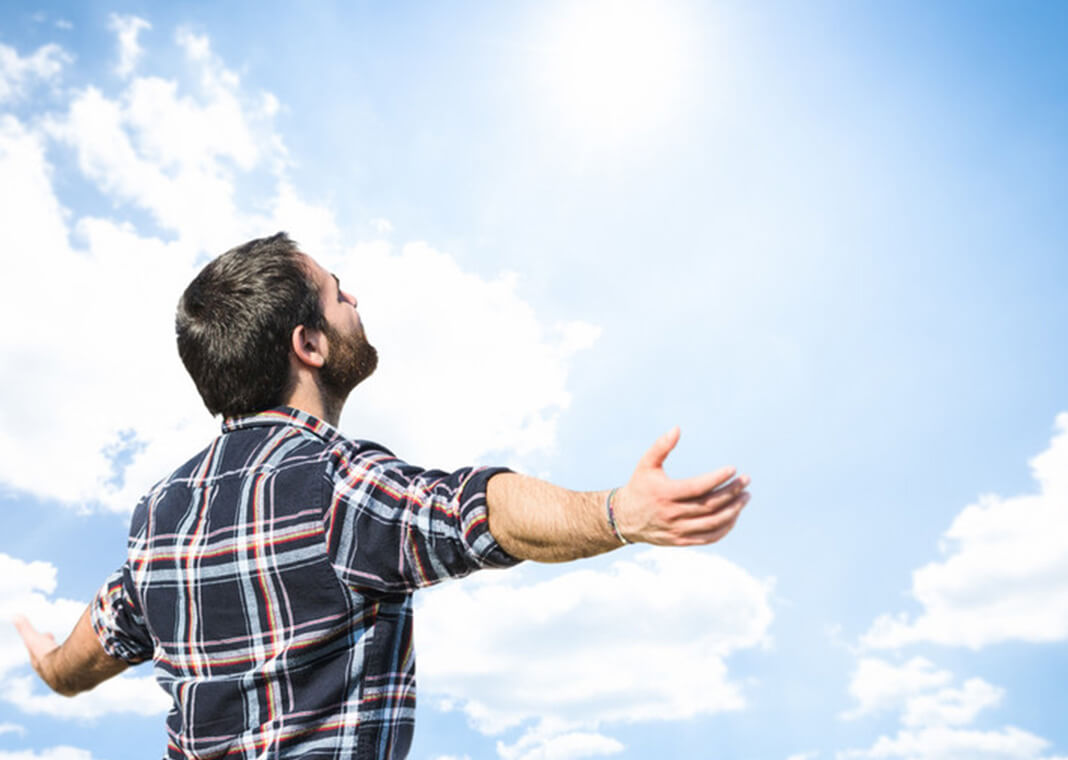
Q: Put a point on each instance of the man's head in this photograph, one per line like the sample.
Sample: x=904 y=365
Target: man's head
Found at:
x=235 y=326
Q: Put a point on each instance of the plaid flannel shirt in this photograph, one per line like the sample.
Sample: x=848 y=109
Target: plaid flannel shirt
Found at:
x=270 y=578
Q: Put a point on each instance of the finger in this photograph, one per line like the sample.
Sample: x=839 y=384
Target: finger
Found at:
x=714 y=536
x=710 y=521
x=721 y=496
x=716 y=529
x=701 y=485
x=709 y=504
x=658 y=452
x=25 y=629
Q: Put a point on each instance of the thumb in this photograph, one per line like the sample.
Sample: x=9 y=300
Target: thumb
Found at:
x=658 y=452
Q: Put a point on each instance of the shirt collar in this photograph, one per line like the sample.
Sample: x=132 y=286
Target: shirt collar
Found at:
x=283 y=415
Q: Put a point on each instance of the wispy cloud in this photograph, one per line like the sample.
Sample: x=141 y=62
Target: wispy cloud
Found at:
x=127 y=29
x=18 y=73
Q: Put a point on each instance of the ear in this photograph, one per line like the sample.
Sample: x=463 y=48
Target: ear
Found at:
x=309 y=346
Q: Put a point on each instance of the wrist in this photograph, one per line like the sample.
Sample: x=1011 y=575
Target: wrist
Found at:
x=44 y=664
x=611 y=503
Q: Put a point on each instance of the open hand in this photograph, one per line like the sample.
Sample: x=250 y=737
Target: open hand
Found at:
x=655 y=509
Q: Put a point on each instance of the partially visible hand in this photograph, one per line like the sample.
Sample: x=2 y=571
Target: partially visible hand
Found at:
x=78 y=665
x=37 y=644
x=653 y=508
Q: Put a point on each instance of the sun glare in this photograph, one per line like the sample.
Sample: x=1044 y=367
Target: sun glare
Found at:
x=613 y=69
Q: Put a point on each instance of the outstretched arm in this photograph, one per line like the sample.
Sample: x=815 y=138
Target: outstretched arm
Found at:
x=532 y=519
x=77 y=665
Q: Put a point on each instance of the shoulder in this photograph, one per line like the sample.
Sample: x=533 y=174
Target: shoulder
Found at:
x=181 y=477
x=345 y=456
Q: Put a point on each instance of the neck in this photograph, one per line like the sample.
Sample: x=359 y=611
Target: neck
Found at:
x=331 y=410
x=313 y=400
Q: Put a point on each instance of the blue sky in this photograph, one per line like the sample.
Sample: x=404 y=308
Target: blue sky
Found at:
x=826 y=239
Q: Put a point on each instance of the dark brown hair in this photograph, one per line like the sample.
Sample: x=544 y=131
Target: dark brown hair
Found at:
x=234 y=323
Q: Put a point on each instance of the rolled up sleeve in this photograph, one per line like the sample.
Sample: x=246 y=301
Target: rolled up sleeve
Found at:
x=118 y=622
x=394 y=527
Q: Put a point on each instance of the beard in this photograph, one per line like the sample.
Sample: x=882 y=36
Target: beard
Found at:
x=351 y=361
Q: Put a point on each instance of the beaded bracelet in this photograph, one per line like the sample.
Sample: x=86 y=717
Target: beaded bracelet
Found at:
x=612 y=517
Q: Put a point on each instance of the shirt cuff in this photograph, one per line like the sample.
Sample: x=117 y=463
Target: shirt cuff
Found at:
x=482 y=547
x=110 y=614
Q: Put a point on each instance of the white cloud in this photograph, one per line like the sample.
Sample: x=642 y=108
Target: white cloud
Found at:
x=1006 y=574
x=804 y=756
x=125 y=694
x=88 y=355
x=645 y=639
x=96 y=366
x=951 y=707
x=878 y=685
x=52 y=753
x=176 y=149
x=12 y=728
x=95 y=369
x=1004 y=577
x=127 y=29
x=26 y=588
x=17 y=74
x=382 y=226
x=946 y=743
x=569 y=746
x=934 y=715
x=464 y=356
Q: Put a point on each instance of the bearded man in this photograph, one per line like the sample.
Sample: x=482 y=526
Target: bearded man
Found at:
x=270 y=578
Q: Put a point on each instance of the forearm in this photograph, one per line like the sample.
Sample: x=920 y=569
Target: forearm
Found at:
x=78 y=664
x=532 y=519
x=54 y=669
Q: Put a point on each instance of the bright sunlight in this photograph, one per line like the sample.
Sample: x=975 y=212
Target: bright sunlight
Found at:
x=613 y=69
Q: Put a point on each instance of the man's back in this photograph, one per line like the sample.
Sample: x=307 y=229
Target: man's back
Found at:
x=269 y=579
